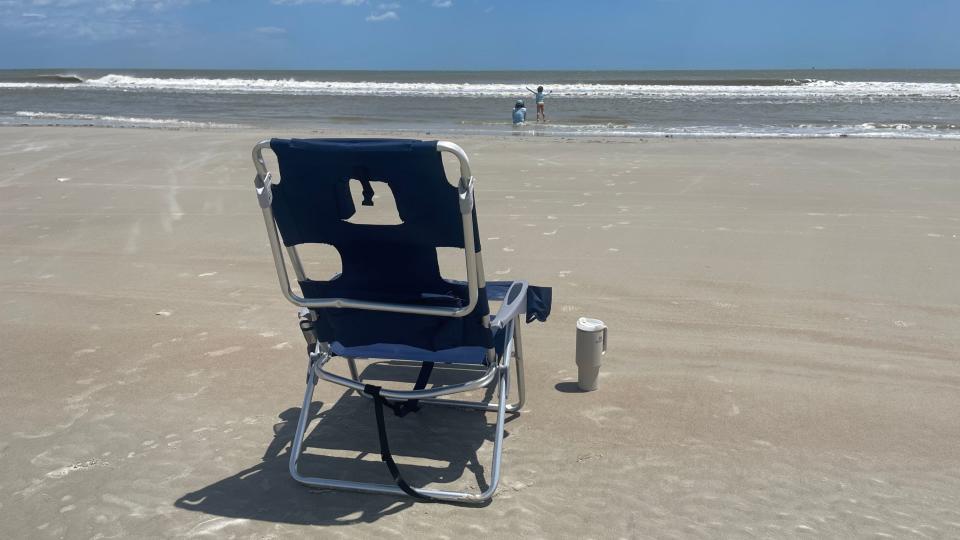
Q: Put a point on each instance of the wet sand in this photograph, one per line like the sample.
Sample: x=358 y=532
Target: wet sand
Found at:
x=784 y=345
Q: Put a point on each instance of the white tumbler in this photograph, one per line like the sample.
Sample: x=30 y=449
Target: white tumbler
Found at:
x=591 y=346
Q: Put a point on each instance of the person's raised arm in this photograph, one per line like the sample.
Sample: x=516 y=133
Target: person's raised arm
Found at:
x=534 y=92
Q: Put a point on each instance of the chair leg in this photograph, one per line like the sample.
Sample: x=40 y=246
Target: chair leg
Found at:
x=296 y=450
x=352 y=363
x=354 y=374
x=521 y=388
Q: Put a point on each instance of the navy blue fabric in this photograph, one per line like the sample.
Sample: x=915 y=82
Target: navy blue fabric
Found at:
x=383 y=263
x=457 y=355
x=312 y=201
x=539 y=299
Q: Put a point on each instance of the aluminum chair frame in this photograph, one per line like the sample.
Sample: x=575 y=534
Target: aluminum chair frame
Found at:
x=497 y=373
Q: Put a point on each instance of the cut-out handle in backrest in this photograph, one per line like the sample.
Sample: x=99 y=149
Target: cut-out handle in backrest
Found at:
x=384 y=212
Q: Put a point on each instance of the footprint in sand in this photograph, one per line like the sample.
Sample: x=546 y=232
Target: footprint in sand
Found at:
x=601 y=414
x=75 y=467
x=222 y=352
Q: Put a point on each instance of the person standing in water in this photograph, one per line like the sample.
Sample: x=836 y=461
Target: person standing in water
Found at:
x=540 y=95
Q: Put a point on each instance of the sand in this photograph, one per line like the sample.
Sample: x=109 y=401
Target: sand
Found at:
x=784 y=345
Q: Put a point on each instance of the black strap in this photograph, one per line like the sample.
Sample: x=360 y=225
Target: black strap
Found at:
x=367 y=192
x=385 y=455
x=411 y=405
x=307 y=327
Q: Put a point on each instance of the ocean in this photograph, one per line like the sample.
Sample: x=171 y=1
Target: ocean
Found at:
x=800 y=103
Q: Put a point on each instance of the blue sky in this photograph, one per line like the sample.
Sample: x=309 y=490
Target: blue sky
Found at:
x=480 y=34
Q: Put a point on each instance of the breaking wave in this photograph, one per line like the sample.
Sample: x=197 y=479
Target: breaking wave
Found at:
x=668 y=89
x=59 y=78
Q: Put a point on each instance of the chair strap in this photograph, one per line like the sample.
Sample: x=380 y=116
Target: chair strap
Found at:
x=411 y=405
x=385 y=455
x=363 y=175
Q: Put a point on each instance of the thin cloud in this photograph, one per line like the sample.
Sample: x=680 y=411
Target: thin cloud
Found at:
x=91 y=19
x=270 y=30
x=381 y=17
x=442 y=3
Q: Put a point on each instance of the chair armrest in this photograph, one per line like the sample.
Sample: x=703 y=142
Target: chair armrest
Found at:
x=514 y=303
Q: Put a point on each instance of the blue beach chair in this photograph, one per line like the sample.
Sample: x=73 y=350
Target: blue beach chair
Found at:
x=390 y=302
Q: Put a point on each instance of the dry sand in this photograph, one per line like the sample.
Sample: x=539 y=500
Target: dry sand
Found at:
x=784 y=334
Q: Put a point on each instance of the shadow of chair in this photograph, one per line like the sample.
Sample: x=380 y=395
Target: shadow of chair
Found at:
x=344 y=444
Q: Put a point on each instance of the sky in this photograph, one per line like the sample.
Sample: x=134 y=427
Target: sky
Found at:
x=480 y=34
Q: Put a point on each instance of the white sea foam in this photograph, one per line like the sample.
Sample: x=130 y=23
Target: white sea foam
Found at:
x=864 y=130
x=97 y=119
x=868 y=130
x=813 y=89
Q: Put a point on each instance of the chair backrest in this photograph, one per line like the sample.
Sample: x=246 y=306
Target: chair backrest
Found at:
x=396 y=263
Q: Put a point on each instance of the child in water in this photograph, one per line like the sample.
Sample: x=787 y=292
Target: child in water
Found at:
x=519 y=113
x=540 y=95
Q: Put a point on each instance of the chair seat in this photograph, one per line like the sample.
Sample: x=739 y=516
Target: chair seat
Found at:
x=390 y=351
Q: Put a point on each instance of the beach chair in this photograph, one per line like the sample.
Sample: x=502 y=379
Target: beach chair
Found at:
x=389 y=302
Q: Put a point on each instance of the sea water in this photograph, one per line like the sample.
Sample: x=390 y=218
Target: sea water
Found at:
x=805 y=103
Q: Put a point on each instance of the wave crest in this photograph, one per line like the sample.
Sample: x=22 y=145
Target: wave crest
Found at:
x=671 y=89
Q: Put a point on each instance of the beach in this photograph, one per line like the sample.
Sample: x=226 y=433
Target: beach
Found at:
x=784 y=347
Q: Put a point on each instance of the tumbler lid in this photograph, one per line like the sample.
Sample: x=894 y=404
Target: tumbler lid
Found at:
x=590 y=325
